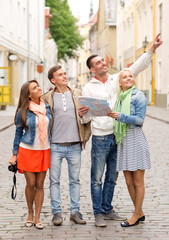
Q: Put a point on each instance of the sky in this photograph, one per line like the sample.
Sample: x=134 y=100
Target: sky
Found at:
x=81 y=8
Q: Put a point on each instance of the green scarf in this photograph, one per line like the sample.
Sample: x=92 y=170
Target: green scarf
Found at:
x=123 y=101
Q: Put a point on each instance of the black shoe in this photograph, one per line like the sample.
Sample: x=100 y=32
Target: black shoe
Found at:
x=142 y=219
x=127 y=224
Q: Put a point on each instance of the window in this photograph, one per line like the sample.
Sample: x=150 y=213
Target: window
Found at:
x=159 y=77
x=32 y=71
x=1 y=13
x=19 y=20
x=130 y=36
x=79 y=68
x=151 y=24
x=11 y=16
x=23 y=72
x=125 y=34
x=145 y=25
x=24 y=24
x=160 y=17
x=140 y=32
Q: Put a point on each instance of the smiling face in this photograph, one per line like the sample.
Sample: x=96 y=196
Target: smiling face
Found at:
x=99 y=67
x=60 y=78
x=35 y=92
x=126 y=80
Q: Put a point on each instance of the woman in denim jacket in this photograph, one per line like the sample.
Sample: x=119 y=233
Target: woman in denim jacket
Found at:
x=133 y=153
x=31 y=146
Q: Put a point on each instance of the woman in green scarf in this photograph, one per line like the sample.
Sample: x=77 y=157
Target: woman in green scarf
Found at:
x=133 y=152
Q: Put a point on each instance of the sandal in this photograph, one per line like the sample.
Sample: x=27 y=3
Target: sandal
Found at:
x=39 y=225
x=28 y=223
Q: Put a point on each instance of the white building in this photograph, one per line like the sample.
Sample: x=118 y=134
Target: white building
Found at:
x=21 y=35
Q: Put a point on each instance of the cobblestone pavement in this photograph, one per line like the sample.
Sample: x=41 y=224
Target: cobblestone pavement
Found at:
x=13 y=213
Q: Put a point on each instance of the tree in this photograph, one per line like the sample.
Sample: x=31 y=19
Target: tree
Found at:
x=64 y=29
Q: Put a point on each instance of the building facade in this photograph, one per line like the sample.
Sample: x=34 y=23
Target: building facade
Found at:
x=21 y=45
x=83 y=54
x=138 y=22
x=106 y=35
x=162 y=55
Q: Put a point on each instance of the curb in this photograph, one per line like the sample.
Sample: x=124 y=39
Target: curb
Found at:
x=7 y=126
x=159 y=119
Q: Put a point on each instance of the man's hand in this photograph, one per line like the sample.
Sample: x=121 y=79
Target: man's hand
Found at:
x=82 y=110
x=157 y=42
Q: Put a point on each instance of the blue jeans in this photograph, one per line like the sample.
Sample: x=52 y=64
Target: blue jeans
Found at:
x=73 y=157
x=103 y=153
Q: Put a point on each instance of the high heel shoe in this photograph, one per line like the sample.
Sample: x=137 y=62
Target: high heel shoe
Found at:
x=127 y=224
x=142 y=219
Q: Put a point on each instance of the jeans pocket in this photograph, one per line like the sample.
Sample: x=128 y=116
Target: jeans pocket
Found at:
x=99 y=138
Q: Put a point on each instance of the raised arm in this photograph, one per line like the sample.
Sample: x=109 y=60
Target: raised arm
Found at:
x=145 y=59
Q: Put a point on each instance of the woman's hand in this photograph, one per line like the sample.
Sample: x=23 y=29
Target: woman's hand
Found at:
x=13 y=159
x=113 y=115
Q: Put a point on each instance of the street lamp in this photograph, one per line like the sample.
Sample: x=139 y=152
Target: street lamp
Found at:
x=145 y=43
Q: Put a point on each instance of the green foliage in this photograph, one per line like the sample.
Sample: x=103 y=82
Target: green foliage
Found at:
x=63 y=28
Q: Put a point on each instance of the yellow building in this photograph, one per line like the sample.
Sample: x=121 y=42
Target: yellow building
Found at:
x=106 y=36
x=125 y=34
x=144 y=35
x=84 y=53
x=135 y=33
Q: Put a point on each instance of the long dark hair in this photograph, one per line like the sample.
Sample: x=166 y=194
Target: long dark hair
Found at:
x=23 y=102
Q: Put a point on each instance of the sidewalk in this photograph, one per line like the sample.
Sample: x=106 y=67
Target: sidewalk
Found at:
x=158 y=113
x=7 y=116
x=156 y=207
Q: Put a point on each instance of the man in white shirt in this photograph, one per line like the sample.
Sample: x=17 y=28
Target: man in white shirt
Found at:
x=104 y=148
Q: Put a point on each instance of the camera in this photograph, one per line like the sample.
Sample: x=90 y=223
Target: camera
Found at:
x=13 y=168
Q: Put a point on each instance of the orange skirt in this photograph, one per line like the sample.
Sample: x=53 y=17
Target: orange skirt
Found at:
x=33 y=160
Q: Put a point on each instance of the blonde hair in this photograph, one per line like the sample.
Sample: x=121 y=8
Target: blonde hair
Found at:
x=119 y=76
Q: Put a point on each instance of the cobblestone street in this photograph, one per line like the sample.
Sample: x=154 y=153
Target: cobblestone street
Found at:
x=13 y=213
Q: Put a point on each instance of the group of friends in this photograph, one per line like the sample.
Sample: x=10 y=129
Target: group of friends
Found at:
x=54 y=126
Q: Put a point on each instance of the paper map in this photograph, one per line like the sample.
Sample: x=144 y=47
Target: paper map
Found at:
x=97 y=107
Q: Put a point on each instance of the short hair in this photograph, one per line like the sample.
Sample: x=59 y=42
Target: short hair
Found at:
x=52 y=70
x=89 y=60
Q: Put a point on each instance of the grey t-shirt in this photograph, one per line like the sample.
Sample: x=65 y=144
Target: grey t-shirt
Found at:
x=65 y=128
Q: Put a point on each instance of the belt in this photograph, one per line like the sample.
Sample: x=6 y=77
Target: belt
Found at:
x=67 y=144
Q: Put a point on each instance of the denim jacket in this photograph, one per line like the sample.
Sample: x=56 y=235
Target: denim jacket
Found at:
x=137 y=110
x=27 y=134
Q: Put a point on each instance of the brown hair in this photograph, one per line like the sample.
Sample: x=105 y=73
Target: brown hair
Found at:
x=89 y=60
x=23 y=102
x=52 y=70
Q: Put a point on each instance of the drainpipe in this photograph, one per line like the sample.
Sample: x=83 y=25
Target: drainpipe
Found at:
x=153 y=59
x=28 y=42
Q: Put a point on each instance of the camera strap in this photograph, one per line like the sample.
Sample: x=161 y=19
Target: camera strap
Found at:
x=14 y=189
